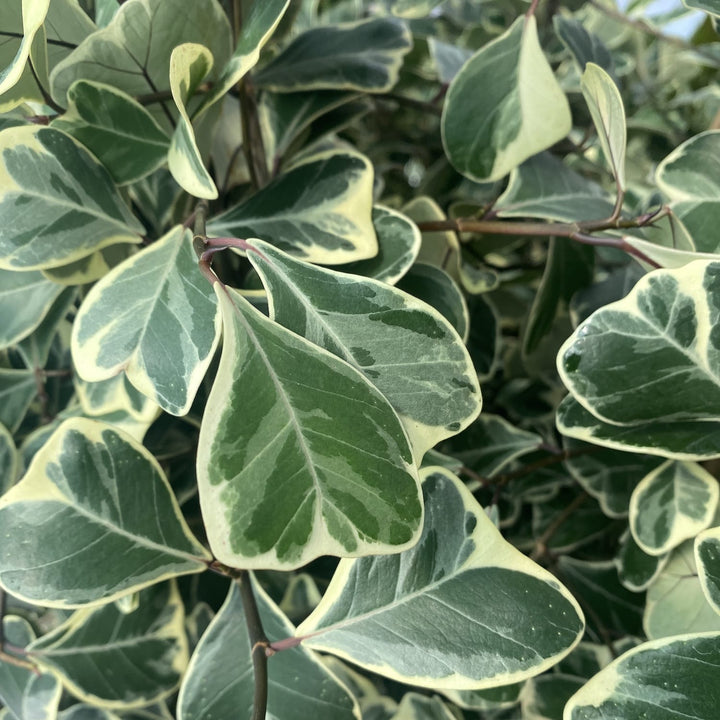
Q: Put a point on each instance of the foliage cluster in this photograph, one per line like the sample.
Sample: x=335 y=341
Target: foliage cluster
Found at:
x=257 y=260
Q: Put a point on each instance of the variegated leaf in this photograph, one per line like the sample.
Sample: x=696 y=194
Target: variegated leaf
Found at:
x=673 y=503
x=520 y=111
x=321 y=211
x=119 y=131
x=402 y=346
x=70 y=206
x=674 y=676
x=636 y=569
x=190 y=64
x=365 y=56
x=707 y=558
x=92 y=492
x=377 y=611
x=89 y=648
x=218 y=683
x=9 y=460
x=299 y=455
x=168 y=329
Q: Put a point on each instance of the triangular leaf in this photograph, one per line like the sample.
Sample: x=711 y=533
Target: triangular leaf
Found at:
x=377 y=611
x=166 y=335
x=299 y=455
x=218 y=683
x=92 y=492
x=404 y=347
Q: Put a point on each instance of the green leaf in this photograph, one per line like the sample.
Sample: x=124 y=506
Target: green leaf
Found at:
x=402 y=346
x=448 y=58
x=398 y=246
x=676 y=603
x=364 y=56
x=33 y=17
x=436 y=288
x=569 y=268
x=25 y=299
x=676 y=677
x=119 y=131
x=9 y=460
x=299 y=455
x=709 y=6
x=690 y=178
x=606 y=108
x=18 y=389
x=584 y=46
x=190 y=64
x=92 y=492
x=219 y=681
x=682 y=440
x=544 y=187
x=414 y=706
x=89 y=649
x=83 y=711
x=91 y=267
x=113 y=395
x=70 y=206
x=636 y=569
x=320 y=211
x=132 y=53
x=491 y=443
x=608 y=475
x=25 y=694
x=520 y=111
x=257 y=28
x=674 y=502
x=545 y=696
x=377 y=611
x=166 y=335
x=624 y=363
x=707 y=558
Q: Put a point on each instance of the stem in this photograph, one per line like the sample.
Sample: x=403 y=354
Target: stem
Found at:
x=258 y=642
x=532 y=8
x=541 y=548
x=49 y=41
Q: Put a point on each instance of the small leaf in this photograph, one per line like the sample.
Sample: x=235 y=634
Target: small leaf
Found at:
x=673 y=503
x=25 y=299
x=636 y=569
x=299 y=455
x=520 y=111
x=365 y=56
x=190 y=64
x=707 y=557
x=92 y=492
x=18 y=389
x=584 y=45
x=88 y=649
x=166 y=335
x=674 y=676
x=70 y=206
x=320 y=211
x=377 y=611
x=606 y=108
x=218 y=683
x=119 y=131
x=404 y=347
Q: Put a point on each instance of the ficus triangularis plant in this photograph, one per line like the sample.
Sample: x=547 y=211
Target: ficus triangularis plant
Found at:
x=359 y=359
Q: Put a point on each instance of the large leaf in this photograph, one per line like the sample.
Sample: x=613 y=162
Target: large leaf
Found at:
x=545 y=187
x=404 y=347
x=88 y=649
x=168 y=329
x=365 y=56
x=120 y=132
x=93 y=518
x=320 y=210
x=606 y=108
x=70 y=206
x=132 y=53
x=33 y=16
x=625 y=362
x=25 y=299
x=690 y=178
x=299 y=455
x=682 y=440
x=219 y=681
x=26 y=694
x=674 y=502
x=707 y=559
x=673 y=678
x=190 y=64
x=520 y=111
x=432 y=616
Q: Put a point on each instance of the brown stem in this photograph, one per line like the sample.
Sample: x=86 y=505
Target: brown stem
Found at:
x=532 y=8
x=541 y=543
x=258 y=643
